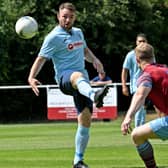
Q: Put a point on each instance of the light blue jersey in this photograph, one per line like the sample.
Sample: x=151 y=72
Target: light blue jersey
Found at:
x=130 y=63
x=66 y=49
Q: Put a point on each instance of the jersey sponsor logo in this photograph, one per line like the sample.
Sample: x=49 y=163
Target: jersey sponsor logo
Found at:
x=75 y=45
x=70 y=47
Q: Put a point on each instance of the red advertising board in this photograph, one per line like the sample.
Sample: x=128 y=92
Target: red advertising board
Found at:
x=61 y=106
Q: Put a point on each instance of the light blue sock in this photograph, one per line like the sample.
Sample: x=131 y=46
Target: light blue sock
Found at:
x=81 y=141
x=140 y=117
x=84 y=88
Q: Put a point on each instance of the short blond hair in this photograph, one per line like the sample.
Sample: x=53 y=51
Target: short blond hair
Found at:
x=144 y=51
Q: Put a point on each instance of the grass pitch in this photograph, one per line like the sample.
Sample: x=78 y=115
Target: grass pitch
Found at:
x=51 y=145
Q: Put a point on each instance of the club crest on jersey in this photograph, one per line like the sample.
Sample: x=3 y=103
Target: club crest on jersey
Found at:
x=75 y=45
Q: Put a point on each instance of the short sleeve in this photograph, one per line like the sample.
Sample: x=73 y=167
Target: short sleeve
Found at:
x=145 y=80
x=128 y=60
x=48 y=48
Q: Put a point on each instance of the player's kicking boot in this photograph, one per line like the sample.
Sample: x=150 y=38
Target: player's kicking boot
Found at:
x=80 y=164
x=99 y=95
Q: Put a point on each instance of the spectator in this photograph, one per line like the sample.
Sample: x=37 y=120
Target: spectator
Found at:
x=101 y=80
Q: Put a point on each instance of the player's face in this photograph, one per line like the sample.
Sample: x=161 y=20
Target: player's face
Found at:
x=140 y=40
x=66 y=18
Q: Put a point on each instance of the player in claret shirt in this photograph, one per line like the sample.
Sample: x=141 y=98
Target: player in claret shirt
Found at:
x=152 y=84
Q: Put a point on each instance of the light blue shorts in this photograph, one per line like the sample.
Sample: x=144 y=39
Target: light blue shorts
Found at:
x=160 y=127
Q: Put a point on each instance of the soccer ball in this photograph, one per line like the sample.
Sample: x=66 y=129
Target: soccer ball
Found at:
x=26 y=27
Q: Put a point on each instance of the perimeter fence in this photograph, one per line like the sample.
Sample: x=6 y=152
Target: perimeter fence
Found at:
x=19 y=104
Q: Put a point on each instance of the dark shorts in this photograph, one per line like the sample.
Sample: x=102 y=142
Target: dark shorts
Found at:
x=66 y=87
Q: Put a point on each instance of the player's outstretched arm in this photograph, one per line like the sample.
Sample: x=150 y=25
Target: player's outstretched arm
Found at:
x=35 y=69
x=137 y=101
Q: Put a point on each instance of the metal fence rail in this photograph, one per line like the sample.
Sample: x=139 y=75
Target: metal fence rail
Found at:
x=43 y=86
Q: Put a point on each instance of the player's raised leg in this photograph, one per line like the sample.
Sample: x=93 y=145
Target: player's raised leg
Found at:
x=84 y=87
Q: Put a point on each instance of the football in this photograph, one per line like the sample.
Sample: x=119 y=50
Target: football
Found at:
x=26 y=27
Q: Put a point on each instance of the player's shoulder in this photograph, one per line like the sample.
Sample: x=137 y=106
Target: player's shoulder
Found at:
x=131 y=53
x=51 y=33
x=78 y=32
x=54 y=34
x=76 y=29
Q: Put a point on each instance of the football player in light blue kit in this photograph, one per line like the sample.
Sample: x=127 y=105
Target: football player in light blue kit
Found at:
x=130 y=66
x=66 y=47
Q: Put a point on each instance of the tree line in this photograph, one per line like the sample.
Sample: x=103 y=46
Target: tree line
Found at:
x=110 y=27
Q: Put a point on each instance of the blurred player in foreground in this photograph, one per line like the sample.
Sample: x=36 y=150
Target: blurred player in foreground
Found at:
x=130 y=66
x=66 y=47
x=153 y=83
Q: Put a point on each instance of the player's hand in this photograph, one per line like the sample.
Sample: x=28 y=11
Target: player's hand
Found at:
x=33 y=83
x=125 y=90
x=98 y=65
x=126 y=126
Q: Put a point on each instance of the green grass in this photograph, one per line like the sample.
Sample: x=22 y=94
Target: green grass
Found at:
x=51 y=145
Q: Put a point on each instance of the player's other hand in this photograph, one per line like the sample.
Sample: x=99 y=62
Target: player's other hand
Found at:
x=33 y=83
x=125 y=90
x=98 y=65
x=126 y=127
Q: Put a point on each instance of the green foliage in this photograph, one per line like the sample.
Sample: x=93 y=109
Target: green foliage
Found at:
x=13 y=61
x=110 y=28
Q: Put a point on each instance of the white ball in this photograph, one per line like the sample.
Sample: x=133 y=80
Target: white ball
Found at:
x=26 y=27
